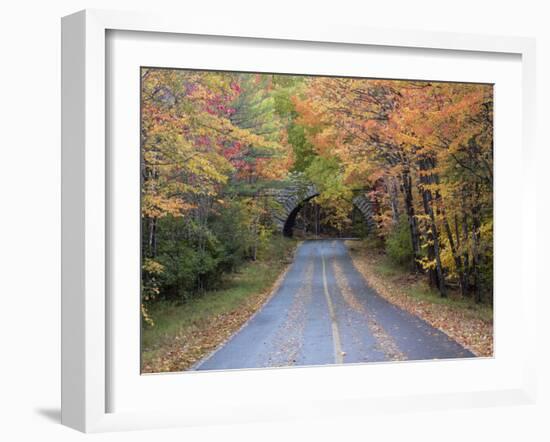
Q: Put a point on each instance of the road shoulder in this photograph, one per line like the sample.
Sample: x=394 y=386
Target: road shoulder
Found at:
x=193 y=332
x=463 y=322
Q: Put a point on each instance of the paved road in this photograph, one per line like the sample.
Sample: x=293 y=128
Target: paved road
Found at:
x=325 y=313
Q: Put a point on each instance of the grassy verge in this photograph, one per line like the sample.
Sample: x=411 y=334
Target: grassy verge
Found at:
x=185 y=333
x=468 y=323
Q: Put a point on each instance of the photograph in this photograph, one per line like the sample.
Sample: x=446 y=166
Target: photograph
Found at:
x=292 y=220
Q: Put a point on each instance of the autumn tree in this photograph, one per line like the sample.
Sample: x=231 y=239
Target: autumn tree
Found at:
x=422 y=148
x=202 y=134
x=214 y=144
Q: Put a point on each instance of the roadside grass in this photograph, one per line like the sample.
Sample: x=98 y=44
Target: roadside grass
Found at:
x=184 y=333
x=463 y=319
x=170 y=317
x=422 y=291
x=416 y=287
x=387 y=269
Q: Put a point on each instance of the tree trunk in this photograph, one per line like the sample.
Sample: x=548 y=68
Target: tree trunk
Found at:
x=413 y=225
x=317 y=220
x=465 y=252
x=394 y=201
x=476 y=224
x=151 y=251
x=436 y=276
x=456 y=257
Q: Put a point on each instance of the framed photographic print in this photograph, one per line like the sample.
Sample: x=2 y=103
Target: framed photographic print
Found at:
x=262 y=223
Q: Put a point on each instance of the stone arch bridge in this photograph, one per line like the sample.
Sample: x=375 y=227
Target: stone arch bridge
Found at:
x=291 y=199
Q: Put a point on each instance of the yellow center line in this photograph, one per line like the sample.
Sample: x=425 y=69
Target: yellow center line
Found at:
x=338 y=354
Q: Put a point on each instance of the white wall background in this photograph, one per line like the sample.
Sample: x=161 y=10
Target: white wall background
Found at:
x=30 y=215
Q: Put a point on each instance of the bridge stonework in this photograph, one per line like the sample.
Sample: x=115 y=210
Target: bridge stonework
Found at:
x=291 y=199
x=364 y=205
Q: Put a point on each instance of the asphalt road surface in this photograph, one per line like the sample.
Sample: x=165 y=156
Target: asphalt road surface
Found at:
x=325 y=313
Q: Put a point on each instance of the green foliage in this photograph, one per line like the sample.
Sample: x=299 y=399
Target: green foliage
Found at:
x=335 y=197
x=230 y=224
x=297 y=134
x=190 y=256
x=304 y=152
x=398 y=243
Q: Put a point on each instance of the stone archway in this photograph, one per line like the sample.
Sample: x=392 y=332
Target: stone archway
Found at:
x=292 y=199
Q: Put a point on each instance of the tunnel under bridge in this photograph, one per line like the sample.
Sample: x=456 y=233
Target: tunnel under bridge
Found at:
x=290 y=201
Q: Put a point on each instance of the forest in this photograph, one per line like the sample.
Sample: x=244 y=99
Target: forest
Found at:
x=215 y=145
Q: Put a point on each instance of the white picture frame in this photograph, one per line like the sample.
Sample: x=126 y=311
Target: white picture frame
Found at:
x=85 y=234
